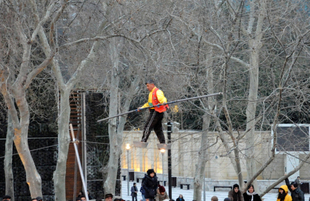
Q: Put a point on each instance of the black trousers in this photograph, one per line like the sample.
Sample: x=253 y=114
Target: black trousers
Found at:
x=154 y=122
x=134 y=197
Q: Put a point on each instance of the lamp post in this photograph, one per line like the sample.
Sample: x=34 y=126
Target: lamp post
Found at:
x=162 y=159
x=169 y=131
x=128 y=164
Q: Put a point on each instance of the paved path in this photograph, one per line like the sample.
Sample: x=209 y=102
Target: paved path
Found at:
x=188 y=194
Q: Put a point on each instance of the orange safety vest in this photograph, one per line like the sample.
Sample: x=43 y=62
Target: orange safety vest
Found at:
x=155 y=101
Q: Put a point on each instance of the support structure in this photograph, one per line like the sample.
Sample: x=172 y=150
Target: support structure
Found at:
x=162 y=151
x=128 y=168
x=169 y=131
x=79 y=162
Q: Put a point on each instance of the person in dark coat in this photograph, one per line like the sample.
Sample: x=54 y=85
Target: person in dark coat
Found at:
x=235 y=194
x=296 y=193
x=251 y=195
x=149 y=184
x=180 y=198
x=134 y=192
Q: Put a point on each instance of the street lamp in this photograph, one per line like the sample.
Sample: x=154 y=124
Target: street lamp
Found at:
x=128 y=164
x=162 y=158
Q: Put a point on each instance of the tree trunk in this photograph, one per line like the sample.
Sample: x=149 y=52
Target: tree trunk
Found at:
x=250 y=113
x=9 y=179
x=33 y=178
x=115 y=144
x=203 y=158
x=115 y=140
x=255 y=46
x=59 y=175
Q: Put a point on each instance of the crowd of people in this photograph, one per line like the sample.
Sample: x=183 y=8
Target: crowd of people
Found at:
x=283 y=195
x=151 y=190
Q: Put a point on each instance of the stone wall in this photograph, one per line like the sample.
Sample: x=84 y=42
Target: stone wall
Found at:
x=184 y=148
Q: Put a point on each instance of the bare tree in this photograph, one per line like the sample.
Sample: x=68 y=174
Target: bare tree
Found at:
x=228 y=26
x=9 y=179
x=17 y=72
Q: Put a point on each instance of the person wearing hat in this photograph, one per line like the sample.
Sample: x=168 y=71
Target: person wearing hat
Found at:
x=6 y=198
x=227 y=199
x=283 y=194
x=149 y=183
x=234 y=194
x=161 y=193
x=108 y=197
x=154 y=121
x=296 y=193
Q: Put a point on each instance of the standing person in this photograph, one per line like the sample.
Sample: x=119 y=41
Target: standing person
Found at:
x=214 y=198
x=296 y=193
x=298 y=182
x=6 y=198
x=80 y=194
x=108 y=197
x=283 y=194
x=180 y=198
x=156 y=96
x=251 y=195
x=234 y=194
x=142 y=193
x=149 y=184
x=134 y=192
x=161 y=194
x=39 y=199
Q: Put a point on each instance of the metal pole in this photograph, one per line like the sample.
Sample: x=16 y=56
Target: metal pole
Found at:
x=79 y=162
x=162 y=161
x=169 y=131
x=84 y=148
x=171 y=102
x=128 y=172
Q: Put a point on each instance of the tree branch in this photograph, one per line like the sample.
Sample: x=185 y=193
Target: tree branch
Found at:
x=40 y=22
x=8 y=100
x=26 y=56
x=285 y=176
x=38 y=70
x=98 y=38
